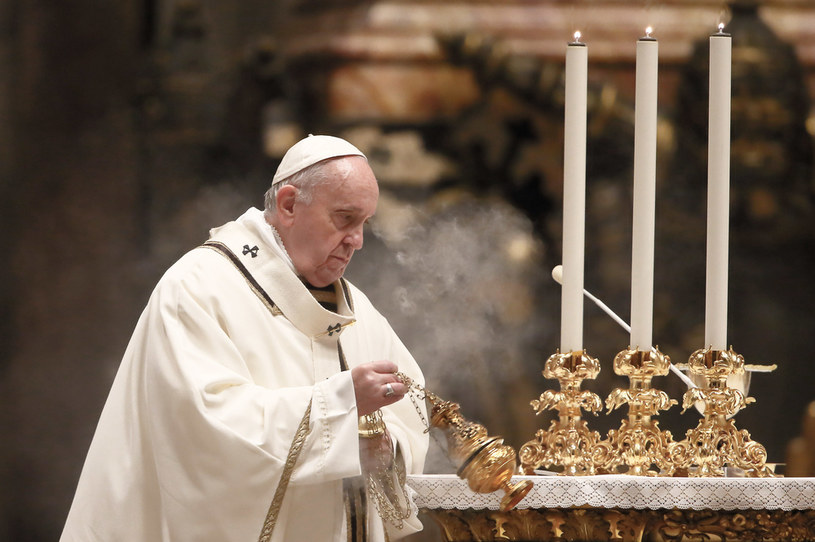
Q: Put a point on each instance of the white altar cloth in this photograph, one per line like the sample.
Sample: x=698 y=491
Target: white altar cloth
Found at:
x=448 y=491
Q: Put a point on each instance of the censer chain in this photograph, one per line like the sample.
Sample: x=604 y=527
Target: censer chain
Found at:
x=416 y=392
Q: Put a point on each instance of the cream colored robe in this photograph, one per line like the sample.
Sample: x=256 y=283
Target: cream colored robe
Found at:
x=192 y=440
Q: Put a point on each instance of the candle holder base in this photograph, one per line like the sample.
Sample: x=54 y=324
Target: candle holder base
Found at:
x=639 y=444
x=715 y=443
x=568 y=443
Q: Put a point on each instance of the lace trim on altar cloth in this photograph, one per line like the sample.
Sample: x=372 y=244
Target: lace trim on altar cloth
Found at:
x=448 y=491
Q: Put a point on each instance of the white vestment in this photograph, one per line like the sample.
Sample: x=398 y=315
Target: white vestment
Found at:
x=195 y=433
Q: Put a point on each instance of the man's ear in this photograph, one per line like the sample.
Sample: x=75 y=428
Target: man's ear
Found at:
x=286 y=199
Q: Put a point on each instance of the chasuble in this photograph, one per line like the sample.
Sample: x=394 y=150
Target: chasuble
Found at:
x=222 y=365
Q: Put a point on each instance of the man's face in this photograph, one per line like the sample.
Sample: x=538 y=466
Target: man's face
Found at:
x=323 y=234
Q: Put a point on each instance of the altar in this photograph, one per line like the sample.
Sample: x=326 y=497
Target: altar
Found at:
x=674 y=489
x=624 y=508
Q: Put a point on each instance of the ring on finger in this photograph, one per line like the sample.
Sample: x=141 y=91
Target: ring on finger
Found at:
x=388 y=390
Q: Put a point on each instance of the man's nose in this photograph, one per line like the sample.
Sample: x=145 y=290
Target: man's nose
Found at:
x=355 y=238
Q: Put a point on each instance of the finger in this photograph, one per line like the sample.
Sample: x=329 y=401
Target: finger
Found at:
x=394 y=389
x=389 y=390
x=385 y=366
x=398 y=387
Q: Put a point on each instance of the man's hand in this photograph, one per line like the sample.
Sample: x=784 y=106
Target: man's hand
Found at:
x=376 y=385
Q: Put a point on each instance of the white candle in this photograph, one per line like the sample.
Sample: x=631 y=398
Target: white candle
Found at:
x=718 y=192
x=645 y=170
x=574 y=196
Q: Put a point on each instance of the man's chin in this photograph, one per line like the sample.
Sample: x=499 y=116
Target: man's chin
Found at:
x=325 y=277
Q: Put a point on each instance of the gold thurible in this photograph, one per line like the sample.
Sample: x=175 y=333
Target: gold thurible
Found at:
x=484 y=461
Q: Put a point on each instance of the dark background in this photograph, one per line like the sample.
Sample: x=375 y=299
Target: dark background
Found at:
x=129 y=128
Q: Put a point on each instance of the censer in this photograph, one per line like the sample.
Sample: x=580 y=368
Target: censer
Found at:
x=484 y=461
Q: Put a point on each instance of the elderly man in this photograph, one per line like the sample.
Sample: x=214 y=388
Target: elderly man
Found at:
x=257 y=399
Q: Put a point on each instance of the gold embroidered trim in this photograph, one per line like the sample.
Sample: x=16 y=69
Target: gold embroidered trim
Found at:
x=336 y=328
x=291 y=459
x=302 y=429
x=250 y=280
x=347 y=293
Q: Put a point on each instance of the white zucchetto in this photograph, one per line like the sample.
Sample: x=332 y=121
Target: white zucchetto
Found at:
x=309 y=151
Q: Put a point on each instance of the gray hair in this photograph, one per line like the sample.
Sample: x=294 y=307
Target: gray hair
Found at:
x=306 y=181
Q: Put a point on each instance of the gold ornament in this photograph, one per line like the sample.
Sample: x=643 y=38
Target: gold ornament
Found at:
x=639 y=444
x=483 y=460
x=715 y=442
x=568 y=443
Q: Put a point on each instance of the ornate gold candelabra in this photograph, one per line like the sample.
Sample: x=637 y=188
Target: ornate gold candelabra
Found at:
x=483 y=460
x=715 y=442
x=568 y=443
x=639 y=444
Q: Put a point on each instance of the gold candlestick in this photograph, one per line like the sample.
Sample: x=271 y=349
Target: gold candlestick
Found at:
x=568 y=443
x=639 y=444
x=715 y=442
x=483 y=460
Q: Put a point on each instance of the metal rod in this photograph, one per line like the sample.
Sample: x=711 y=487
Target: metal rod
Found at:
x=557 y=274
